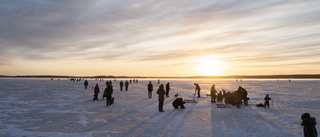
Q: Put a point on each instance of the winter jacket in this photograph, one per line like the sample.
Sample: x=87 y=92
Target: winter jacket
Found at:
x=213 y=92
x=161 y=92
x=96 y=90
x=150 y=87
x=109 y=90
x=309 y=128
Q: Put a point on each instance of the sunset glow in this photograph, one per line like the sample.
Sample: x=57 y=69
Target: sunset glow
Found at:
x=210 y=67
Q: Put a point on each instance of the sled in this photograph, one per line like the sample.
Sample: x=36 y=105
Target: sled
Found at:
x=222 y=106
x=196 y=97
x=190 y=101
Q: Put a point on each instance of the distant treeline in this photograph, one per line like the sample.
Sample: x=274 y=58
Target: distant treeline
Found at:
x=297 y=76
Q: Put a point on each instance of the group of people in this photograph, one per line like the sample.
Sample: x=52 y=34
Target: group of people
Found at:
x=150 y=89
x=126 y=84
x=108 y=91
x=238 y=97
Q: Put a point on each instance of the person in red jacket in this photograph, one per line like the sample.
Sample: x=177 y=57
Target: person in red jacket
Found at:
x=96 y=92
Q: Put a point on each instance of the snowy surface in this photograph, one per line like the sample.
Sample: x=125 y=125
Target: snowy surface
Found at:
x=44 y=107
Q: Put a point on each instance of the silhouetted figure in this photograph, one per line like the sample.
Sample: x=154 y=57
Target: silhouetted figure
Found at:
x=161 y=92
x=244 y=96
x=167 y=89
x=126 y=84
x=237 y=98
x=178 y=102
x=85 y=84
x=158 y=81
x=213 y=93
x=220 y=96
x=266 y=103
x=130 y=81
x=150 y=89
x=104 y=95
x=197 y=89
x=96 y=92
x=109 y=91
x=309 y=125
x=121 y=85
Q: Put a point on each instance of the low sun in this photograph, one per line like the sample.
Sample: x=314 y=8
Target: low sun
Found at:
x=210 y=67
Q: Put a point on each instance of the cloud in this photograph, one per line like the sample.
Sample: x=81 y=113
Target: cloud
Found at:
x=246 y=32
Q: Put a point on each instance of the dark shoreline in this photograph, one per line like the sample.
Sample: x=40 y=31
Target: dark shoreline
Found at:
x=297 y=76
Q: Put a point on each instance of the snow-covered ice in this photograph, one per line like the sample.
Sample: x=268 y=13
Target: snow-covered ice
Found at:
x=43 y=107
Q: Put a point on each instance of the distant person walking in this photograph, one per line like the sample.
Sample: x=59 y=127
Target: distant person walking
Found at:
x=309 y=125
x=85 y=84
x=167 y=89
x=127 y=85
x=150 y=89
x=121 y=85
x=266 y=103
x=197 y=89
x=96 y=92
x=161 y=92
x=213 y=93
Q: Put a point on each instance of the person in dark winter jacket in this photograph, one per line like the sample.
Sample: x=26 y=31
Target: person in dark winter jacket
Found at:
x=126 y=85
x=96 y=92
x=85 y=84
x=309 y=125
x=121 y=85
x=161 y=92
x=220 y=96
x=150 y=89
x=109 y=91
x=213 y=93
x=167 y=89
x=178 y=102
x=266 y=103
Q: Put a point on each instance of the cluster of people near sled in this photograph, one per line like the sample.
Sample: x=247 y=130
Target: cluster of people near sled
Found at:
x=237 y=98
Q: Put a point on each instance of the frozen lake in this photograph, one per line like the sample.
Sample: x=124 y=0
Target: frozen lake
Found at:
x=44 y=107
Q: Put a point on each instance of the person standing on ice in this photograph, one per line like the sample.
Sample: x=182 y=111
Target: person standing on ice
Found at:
x=121 y=85
x=109 y=91
x=167 y=89
x=161 y=92
x=266 y=103
x=213 y=93
x=309 y=125
x=85 y=84
x=127 y=85
x=197 y=89
x=150 y=89
x=96 y=92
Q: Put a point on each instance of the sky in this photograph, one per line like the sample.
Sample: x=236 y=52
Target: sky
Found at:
x=159 y=37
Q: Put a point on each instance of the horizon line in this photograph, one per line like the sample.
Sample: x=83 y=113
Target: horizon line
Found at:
x=196 y=76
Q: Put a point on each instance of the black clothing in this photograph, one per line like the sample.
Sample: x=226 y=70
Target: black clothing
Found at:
x=126 y=84
x=178 y=102
x=309 y=128
x=266 y=103
x=85 y=84
x=150 y=89
x=167 y=89
x=121 y=85
x=161 y=106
